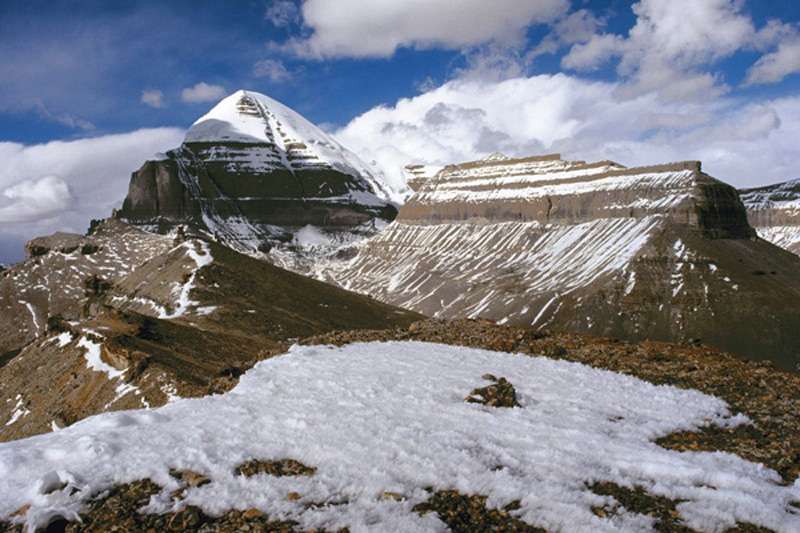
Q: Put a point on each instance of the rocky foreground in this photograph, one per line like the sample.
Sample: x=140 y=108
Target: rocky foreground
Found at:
x=770 y=435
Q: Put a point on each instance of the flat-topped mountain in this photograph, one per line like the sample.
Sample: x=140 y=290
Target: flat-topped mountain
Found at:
x=660 y=252
x=774 y=212
x=253 y=172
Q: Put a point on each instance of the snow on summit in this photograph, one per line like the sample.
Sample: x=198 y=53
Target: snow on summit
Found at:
x=390 y=418
x=251 y=117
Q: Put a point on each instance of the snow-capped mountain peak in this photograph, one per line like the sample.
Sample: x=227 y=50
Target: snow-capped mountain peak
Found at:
x=294 y=143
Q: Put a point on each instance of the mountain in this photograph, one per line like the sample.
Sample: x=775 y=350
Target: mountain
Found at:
x=774 y=212
x=660 y=252
x=122 y=319
x=255 y=174
x=63 y=276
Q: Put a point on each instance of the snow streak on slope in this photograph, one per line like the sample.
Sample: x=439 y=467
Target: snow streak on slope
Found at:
x=491 y=269
x=183 y=290
x=391 y=417
x=787 y=237
x=774 y=211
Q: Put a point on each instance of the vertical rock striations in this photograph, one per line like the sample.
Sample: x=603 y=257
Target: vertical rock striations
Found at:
x=661 y=252
x=774 y=212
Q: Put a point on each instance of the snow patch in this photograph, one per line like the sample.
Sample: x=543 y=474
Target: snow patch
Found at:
x=183 y=290
x=381 y=417
x=94 y=360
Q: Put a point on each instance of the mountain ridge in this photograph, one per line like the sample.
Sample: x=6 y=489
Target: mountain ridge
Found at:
x=662 y=252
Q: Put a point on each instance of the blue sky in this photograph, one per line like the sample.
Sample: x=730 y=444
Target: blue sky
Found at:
x=89 y=89
x=89 y=61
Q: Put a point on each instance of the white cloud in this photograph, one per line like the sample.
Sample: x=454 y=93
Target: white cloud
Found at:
x=61 y=185
x=202 y=92
x=465 y=119
x=65 y=119
x=672 y=44
x=35 y=199
x=272 y=69
x=774 y=66
x=153 y=98
x=345 y=28
x=594 y=52
x=282 y=13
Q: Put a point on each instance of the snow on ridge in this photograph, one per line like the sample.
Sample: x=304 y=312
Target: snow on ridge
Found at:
x=183 y=290
x=271 y=122
x=381 y=417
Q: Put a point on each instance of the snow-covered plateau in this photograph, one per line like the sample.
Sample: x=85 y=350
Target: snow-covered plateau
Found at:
x=377 y=418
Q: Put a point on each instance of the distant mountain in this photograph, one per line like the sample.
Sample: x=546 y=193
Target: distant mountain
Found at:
x=774 y=212
x=661 y=252
x=253 y=173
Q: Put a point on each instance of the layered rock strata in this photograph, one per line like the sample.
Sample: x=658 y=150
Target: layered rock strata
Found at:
x=660 y=252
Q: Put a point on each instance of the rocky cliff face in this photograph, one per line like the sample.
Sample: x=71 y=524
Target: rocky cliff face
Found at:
x=774 y=212
x=662 y=252
x=252 y=172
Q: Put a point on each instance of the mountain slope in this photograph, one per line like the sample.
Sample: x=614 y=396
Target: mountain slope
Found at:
x=774 y=212
x=252 y=172
x=63 y=274
x=185 y=322
x=662 y=252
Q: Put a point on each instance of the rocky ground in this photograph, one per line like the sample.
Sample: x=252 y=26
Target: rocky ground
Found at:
x=768 y=396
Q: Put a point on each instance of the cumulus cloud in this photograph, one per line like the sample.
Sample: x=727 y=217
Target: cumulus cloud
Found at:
x=35 y=199
x=61 y=185
x=153 y=98
x=345 y=29
x=272 y=69
x=202 y=92
x=672 y=44
x=774 y=66
x=466 y=119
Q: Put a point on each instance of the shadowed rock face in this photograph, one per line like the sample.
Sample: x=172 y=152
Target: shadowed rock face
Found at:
x=253 y=172
x=662 y=252
x=774 y=212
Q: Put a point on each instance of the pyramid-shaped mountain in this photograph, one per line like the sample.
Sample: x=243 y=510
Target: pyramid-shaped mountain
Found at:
x=253 y=172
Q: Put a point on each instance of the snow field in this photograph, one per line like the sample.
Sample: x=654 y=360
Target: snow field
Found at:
x=378 y=417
